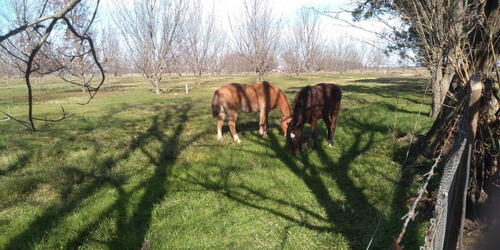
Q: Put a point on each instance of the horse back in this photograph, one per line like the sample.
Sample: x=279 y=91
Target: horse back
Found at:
x=316 y=102
x=242 y=96
x=332 y=94
x=268 y=95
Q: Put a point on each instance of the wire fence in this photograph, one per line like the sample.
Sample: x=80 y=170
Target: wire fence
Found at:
x=437 y=233
x=403 y=165
x=449 y=212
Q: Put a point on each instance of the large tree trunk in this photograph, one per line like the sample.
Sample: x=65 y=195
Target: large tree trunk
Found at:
x=444 y=120
x=481 y=60
x=442 y=73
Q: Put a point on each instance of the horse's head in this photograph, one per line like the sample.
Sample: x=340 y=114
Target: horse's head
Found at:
x=294 y=137
x=284 y=125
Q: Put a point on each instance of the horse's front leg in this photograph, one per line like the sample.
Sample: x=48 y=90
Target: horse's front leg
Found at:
x=263 y=122
x=314 y=124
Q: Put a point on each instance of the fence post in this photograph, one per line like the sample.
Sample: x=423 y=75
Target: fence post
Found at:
x=475 y=87
x=456 y=214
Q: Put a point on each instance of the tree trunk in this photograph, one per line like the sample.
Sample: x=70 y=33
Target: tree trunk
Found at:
x=444 y=120
x=484 y=44
x=82 y=79
x=260 y=76
x=441 y=77
x=157 y=86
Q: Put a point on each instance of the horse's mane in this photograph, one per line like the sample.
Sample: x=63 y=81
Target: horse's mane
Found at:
x=300 y=105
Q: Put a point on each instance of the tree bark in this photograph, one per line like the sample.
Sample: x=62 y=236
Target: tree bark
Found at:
x=157 y=86
x=441 y=78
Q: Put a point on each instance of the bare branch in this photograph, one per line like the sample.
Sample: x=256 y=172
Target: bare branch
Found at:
x=35 y=42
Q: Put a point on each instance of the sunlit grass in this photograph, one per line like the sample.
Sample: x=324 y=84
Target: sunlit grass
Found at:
x=132 y=169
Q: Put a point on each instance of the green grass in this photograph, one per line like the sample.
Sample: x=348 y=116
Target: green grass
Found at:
x=132 y=169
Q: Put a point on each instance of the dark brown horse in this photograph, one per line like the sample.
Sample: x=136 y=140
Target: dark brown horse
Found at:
x=256 y=97
x=312 y=103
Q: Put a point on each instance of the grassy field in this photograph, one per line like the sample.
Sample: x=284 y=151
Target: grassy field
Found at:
x=134 y=170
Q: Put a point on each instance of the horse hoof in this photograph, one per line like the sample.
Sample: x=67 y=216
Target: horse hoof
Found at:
x=238 y=141
x=330 y=145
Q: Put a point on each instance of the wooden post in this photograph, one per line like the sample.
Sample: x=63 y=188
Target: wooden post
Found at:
x=456 y=213
x=475 y=88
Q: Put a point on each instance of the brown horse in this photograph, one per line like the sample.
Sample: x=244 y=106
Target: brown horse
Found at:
x=312 y=103
x=260 y=96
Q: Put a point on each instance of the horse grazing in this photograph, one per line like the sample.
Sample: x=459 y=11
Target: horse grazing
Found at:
x=260 y=96
x=312 y=103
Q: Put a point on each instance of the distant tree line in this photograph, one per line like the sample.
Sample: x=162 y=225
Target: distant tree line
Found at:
x=155 y=38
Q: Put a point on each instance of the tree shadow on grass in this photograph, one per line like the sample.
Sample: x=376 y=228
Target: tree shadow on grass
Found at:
x=130 y=228
x=17 y=165
x=382 y=87
x=354 y=217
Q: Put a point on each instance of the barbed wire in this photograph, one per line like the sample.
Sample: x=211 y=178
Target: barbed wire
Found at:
x=398 y=175
x=423 y=189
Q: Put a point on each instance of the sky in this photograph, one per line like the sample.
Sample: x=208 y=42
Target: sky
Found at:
x=287 y=9
x=364 y=33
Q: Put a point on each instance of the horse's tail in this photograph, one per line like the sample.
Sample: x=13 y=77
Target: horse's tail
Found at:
x=216 y=104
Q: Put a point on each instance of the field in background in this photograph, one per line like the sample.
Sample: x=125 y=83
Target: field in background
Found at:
x=136 y=170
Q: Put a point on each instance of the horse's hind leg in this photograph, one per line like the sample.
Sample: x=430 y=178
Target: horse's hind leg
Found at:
x=233 y=115
x=263 y=122
x=220 y=122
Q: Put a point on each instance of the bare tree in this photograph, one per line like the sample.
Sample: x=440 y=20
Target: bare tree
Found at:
x=30 y=42
x=307 y=38
x=110 y=52
x=361 y=54
x=455 y=40
x=376 y=58
x=326 y=62
x=150 y=30
x=75 y=51
x=257 y=36
x=291 y=58
x=6 y=68
x=203 y=39
x=235 y=63
x=219 y=63
x=343 y=53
